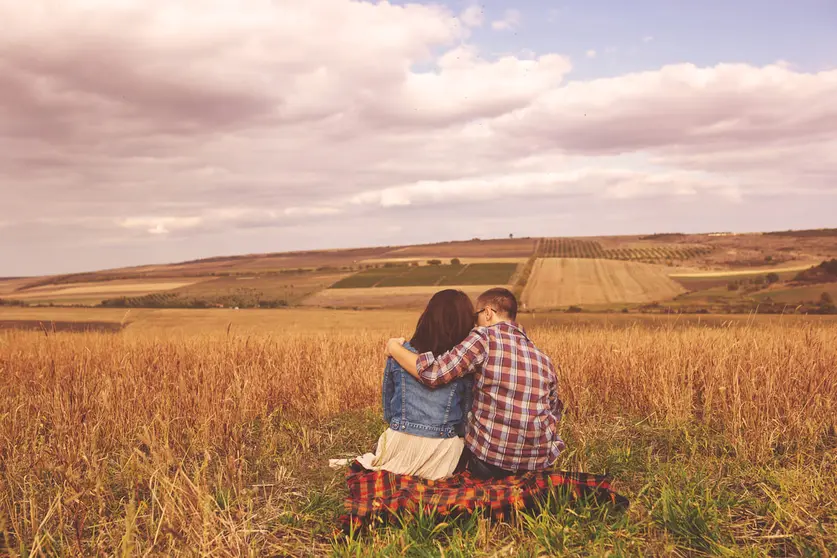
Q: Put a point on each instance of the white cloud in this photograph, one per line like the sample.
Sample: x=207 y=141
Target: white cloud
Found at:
x=604 y=183
x=182 y=118
x=312 y=211
x=591 y=53
x=160 y=225
x=472 y=16
x=509 y=21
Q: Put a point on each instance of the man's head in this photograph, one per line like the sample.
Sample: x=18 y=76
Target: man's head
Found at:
x=495 y=306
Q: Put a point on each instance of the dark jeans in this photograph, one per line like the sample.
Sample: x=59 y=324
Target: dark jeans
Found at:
x=479 y=468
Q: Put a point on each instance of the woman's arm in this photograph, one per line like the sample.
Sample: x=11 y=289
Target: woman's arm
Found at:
x=403 y=356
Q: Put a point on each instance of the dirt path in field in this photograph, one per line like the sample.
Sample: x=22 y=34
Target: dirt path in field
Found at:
x=558 y=282
x=686 y=274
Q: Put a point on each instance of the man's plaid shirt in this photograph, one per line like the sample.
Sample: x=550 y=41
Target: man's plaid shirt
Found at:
x=516 y=406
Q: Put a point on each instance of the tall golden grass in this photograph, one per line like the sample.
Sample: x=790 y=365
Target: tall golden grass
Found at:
x=112 y=444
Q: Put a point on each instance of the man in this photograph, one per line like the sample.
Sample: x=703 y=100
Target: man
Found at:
x=516 y=409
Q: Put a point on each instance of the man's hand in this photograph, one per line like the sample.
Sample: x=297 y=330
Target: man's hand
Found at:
x=394 y=342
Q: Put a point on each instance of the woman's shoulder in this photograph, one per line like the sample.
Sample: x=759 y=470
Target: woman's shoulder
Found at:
x=394 y=363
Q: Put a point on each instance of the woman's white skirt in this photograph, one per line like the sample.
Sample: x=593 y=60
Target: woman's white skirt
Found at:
x=406 y=454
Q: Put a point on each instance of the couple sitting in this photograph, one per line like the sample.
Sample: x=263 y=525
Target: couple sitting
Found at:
x=459 y=396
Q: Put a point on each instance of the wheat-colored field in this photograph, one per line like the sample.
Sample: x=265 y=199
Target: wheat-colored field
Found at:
x=106 y=289
x=216 y=444
x=557 y=282
x=8 y=286
x=170 y=321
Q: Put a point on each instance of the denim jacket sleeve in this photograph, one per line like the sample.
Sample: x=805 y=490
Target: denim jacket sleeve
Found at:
x=388 y=390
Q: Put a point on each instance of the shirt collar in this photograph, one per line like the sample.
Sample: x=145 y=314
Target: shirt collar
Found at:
x=512 y=326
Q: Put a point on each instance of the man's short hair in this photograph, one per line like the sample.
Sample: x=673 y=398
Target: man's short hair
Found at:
x=501 y=300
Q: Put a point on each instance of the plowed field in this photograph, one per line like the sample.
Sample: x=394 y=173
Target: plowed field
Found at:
x=558 y=282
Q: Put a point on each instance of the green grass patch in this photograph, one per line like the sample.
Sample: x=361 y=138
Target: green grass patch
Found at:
x=690 y=496
x=430 y=275
x=369 y=278
x=424 y=276
x=483 y=274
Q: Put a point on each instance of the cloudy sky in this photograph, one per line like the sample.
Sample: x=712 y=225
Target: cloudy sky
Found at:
x=141 y=131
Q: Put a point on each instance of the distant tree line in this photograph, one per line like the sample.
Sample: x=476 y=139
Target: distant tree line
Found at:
x=804 y=233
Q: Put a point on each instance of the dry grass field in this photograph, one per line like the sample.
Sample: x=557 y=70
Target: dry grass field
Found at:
x=216 y=321
x=260 y=263
x=563 y=282
x=8 y=286
x=733 y=251
x=169 y=321
x=215 y=442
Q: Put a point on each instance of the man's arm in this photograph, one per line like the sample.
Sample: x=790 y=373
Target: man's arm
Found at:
x=431 y=371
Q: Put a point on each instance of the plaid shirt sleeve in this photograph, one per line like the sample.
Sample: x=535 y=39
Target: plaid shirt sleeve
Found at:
x=459 y=361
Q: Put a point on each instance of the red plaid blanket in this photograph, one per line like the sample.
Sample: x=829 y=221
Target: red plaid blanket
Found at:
x=381 y=494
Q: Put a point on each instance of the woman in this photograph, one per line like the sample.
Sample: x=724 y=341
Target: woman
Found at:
x=426 y=426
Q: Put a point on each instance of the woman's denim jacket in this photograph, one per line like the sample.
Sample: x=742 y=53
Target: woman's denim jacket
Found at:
x=414 y=408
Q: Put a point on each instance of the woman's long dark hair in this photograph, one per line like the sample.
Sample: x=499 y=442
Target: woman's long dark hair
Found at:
x=446 y=322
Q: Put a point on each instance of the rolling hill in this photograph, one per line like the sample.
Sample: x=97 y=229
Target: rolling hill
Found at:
x=682 y=271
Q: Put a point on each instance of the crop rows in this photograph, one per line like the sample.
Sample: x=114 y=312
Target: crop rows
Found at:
x=569 y=248
x=575 y=248
x=152 y=300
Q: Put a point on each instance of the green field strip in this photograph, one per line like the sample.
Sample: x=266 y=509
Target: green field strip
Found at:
x=484 y=274
x=367 y=278
x=378 y=284
x=431 y=275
